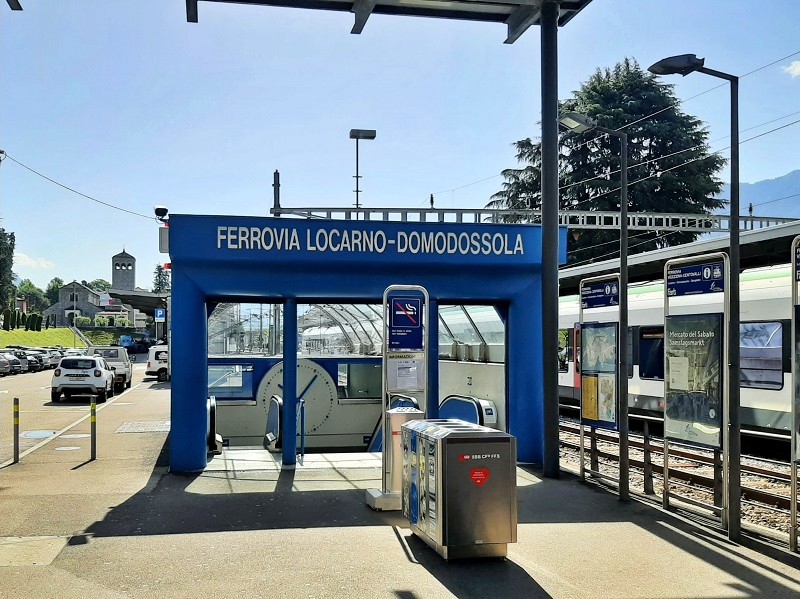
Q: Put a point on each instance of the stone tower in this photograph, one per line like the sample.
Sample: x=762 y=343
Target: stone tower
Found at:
x=123 y=271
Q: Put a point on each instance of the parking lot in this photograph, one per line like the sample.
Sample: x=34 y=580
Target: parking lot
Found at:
x=39 y=417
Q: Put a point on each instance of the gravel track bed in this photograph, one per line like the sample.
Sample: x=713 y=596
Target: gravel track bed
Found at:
x=753 y=514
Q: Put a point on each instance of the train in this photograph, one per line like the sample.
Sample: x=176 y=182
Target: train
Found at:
x=765 y=345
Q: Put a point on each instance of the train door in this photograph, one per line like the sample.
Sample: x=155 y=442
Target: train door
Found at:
x=576 y=355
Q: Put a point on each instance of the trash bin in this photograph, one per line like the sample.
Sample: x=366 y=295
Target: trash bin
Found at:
x=459 y=487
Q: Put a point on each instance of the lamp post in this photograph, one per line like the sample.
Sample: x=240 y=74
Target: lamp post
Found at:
x=683 y=65
x=578 y=123
x=360 y=134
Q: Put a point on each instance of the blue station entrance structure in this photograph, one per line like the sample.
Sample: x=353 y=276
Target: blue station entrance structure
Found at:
x=294 y=261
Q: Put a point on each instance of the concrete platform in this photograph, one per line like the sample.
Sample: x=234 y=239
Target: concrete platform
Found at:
x=123 y=526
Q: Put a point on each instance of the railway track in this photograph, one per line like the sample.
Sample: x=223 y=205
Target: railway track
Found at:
x=686 y=470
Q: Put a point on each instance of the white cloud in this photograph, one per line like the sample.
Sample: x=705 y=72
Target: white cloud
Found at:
x=793 y=69
x=23 y=260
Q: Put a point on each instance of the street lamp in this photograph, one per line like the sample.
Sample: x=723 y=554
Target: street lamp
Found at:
x=683 y=65
x=579 y=123
x=360 y=134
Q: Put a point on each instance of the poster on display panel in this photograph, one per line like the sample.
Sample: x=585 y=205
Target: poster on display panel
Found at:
x=693 y=379
x=599 y=389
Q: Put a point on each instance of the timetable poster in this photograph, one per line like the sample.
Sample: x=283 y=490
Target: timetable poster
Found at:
x=599 y=369
x=589 y=398
x=693 y=379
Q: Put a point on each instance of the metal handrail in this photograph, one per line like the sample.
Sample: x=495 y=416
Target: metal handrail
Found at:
x=300 y=424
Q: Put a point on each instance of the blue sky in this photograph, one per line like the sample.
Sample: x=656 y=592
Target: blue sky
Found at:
x=127 y=102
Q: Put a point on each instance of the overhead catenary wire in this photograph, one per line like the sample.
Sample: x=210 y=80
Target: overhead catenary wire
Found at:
x=75 y=191
x=640 y=119
x=672 y=168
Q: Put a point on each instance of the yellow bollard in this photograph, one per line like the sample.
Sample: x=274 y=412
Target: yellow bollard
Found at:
x=93 y=419
x=16 y=430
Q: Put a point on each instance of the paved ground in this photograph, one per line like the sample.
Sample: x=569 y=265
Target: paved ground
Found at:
x=121 y=526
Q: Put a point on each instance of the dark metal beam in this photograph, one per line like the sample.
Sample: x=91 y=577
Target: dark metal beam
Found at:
x=549 y=85
x=520 y=20
x=14 y=4
x=362 y=9
x=519 y=15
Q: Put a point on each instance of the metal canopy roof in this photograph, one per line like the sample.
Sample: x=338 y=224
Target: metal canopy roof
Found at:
x=144 y=301
x=765 y=247
x=519 y=15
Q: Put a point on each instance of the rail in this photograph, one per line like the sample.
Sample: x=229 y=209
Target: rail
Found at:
x=579 y=219
x=765 y=489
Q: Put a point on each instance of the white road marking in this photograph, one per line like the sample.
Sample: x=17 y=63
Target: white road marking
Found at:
x=70 y=426
x=6 y=391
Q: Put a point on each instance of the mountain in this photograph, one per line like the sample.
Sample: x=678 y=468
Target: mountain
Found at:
x=762 y=193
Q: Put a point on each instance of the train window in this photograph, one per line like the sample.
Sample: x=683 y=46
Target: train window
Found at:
x=651 y=353
x=563 y=350
x=761 y=359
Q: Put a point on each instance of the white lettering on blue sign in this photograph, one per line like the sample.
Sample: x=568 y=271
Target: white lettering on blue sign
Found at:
x=360 y=241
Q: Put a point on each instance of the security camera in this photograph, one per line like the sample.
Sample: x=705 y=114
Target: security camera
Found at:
x=161 y=212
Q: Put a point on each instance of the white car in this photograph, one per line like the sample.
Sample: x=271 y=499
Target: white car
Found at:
x=158 y=362
x=82 y=375
x=117 y=358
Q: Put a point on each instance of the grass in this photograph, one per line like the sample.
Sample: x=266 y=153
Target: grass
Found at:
x=44 y=338
x=100 y=337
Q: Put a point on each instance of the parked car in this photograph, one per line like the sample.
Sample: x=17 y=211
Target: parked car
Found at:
x=13 y=362
x=23 y=359
x=49 y=360
x=82 y=375
x=35 y=361
x=117 y=357
x=75 y=352
x=158 y=362
x=5 y=367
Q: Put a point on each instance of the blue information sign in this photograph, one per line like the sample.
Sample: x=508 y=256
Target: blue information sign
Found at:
x=600 y=294
x=696 y=279
x=405 y=322
x=160 y=315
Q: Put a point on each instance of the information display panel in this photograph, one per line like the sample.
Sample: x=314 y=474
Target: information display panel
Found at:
x=599 y=388
x=599 y=294
x=696 y=279
x=693 y=391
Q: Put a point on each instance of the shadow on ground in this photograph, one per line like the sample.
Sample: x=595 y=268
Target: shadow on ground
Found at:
x=220 y=502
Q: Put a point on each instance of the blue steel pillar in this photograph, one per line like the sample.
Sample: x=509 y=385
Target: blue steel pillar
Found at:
x=289 y=432
x=433 y=359
x=189 y=347
x=524 y=377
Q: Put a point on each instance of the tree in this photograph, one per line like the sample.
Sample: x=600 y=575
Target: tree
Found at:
x=671 y=168
x=35 y=296
x=161 y=280
x=51 y=293
x=7 y=319
x=99 y=285
x=7 y=292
